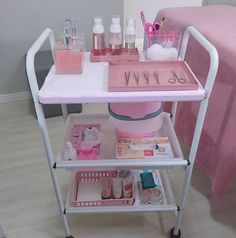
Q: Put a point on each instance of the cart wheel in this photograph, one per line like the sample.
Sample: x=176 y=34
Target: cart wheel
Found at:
x=69 y=236
x=172 y=235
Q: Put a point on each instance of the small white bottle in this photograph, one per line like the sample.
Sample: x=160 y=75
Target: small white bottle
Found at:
x=130 y=34
x=99 y=44
x=115 y=41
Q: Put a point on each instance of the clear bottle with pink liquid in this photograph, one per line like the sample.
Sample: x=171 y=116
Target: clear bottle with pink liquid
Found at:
x=130 y=35
x=115 y=41
x=99 y=43
x=69 y=52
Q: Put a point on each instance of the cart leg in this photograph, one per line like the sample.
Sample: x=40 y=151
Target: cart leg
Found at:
x=51 y=162
x=172 y=234
x=64 y=111
x=175 y=232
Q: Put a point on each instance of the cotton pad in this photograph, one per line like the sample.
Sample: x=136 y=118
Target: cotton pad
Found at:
x=157 y=52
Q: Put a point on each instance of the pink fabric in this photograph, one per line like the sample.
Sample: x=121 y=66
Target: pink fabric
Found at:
x=217 y=152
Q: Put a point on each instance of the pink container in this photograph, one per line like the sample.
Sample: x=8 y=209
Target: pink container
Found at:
x=69 y=53
x=136 y=120
x=68 y=61
x=87 y=154
x=95 y=176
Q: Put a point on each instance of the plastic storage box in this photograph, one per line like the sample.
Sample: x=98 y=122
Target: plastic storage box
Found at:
x=90 y=197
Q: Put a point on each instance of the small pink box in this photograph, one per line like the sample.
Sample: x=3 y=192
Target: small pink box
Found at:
x=126 y=55
x=77 y=135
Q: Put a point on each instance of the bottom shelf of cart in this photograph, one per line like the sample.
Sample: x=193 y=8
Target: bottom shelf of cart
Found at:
x=169 y=205
x=121 y=209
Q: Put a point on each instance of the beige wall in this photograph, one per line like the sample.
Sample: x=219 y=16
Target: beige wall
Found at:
x=132 y=8
x=21 y=22
x=226 y=2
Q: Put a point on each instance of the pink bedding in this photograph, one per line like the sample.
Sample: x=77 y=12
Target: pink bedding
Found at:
x=217 y=151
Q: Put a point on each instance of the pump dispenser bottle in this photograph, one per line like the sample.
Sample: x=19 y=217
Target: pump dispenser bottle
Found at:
x=130 y=34
x=99 y=44
x=69 y=52
x=115 y=41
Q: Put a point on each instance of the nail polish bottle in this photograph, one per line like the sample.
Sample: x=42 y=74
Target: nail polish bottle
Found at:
x=99 y=44
x=115 y=41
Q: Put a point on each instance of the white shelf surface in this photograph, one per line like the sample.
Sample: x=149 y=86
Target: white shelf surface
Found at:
x=107 y=158
x=92 y=87
x=169 y=205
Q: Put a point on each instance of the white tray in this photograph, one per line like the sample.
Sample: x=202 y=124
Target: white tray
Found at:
x=92 y=87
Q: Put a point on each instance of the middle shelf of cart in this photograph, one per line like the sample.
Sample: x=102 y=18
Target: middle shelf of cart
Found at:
x=107 y=157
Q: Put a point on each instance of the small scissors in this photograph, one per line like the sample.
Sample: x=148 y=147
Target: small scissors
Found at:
x=176 y=79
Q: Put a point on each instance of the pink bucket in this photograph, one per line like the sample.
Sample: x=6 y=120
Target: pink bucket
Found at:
x=132 y=120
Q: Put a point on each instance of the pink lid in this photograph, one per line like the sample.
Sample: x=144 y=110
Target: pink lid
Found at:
x=136 y=110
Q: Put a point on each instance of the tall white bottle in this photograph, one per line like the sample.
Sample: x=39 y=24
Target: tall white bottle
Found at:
x=99 y=43
x=115 y=41
x=130 y=33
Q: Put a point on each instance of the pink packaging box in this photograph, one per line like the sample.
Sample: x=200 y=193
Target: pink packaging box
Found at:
x=77 y=135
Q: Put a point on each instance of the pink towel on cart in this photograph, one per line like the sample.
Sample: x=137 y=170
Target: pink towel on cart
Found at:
x=217 y=151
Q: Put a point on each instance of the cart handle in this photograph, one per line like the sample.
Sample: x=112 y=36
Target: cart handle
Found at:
x=214 y=57
x=30 y=69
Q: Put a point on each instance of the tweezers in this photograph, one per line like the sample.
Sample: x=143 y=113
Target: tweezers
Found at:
x=156 y=76
x=127 y=76
x=146 y=76
x=136 y=76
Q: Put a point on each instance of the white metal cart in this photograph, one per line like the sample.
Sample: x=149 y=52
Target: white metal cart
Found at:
x=95 y=91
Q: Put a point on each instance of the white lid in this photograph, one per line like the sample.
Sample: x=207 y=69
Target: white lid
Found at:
x=115 y=25
x=98 y=26
x=130 y=28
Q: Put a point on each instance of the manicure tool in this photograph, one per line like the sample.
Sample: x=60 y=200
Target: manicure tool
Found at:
x=142 y=17
x=176 y=79
x=136 y=76
x=156 y=75
x=146 y=76
x=127 y=76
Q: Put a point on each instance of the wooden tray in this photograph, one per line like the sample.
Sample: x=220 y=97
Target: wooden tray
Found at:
x=132 y=55
x=117 y=78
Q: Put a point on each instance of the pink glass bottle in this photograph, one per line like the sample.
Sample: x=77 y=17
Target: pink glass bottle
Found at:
x=99 y=44
x=115 y=41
